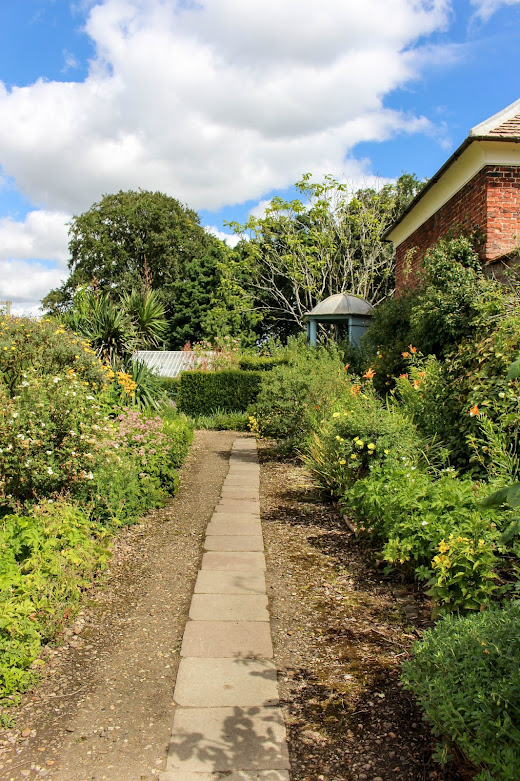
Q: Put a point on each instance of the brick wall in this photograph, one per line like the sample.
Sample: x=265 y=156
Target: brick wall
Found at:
x=488 y=203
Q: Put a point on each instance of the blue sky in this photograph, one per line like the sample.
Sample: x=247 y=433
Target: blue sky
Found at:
x=224 y=103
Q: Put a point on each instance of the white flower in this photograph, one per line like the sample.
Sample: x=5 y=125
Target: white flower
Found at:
x=56 y=379
x=49 y=452
x=424 y=523
x=49 y=471
x=89 y=476
x=15 y=414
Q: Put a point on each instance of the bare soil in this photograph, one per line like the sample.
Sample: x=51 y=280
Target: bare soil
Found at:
x=103 y=708
x=341 y=632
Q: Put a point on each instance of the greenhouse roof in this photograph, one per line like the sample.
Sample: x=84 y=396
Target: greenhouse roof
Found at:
x=170 y=363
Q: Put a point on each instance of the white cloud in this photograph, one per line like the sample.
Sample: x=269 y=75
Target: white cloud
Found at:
x=42 y=235
x=25 y=283
x=231 y=239
x=215 y=102
x=24 y=278
x=485 y=9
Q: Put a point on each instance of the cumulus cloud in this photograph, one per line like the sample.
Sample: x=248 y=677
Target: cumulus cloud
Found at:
x=214 y=102
x=25 y=283
x=485 y=9
x=41 y=235
x=25 y=277
x=231 y=239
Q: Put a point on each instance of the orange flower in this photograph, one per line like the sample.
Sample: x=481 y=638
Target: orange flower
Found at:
x=346 y=366
x=405 y=355
x=416 y=384
x=355 y=389
x=369 y=374
x=412 y=349
x=474 y=411
x=403 y=376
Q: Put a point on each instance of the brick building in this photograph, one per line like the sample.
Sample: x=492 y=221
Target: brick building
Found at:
x=477 y=190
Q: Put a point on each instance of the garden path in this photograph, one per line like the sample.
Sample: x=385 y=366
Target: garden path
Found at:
x=103 y=708
x=227 y=716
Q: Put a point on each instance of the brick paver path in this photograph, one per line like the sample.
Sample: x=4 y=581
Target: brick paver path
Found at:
x=227 y=721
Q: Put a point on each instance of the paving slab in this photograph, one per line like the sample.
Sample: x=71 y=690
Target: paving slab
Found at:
x=235 y=542
x=223 y=739
x=240 y=505
x=233 y=560
x=234 y=528
x=230 y=582
x=220 y=515
x=214 y=683
x=229 y=607
x=228 y=510
x=245 y=496
x=235 y=639
x=246 y=775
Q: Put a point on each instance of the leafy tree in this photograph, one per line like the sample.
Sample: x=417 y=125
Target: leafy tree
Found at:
x=133 y=236
x=327 y=242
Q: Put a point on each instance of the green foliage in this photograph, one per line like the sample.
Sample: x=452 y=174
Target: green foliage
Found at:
x=294 y=397
x=221 y=420
x=326 y=241
x=466 y=677
x=148 y=393
x=454 y=303
x=64 y=445
x=130 y=238
x=387 y=337
x=117 y=326
x=361 y=433
x=46 y=348
x=260 y=362
x=46 y=559
x=170 y=386
x=434 y=529
x=230 y=390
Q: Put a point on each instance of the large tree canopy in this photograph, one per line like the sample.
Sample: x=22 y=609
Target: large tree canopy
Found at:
x=131 y=237
x=327 y=242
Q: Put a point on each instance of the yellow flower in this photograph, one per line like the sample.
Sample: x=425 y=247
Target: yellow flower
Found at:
x=342 y=461
x=335 y=415
x=353 y=455
x=371 y=446
x=443 y=546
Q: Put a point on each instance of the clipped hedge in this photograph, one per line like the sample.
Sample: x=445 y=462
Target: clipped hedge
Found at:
x=170 y=386
x=229 y=390
x=260 y=363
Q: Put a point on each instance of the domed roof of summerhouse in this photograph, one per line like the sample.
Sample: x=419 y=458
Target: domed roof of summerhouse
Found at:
x=341 y=304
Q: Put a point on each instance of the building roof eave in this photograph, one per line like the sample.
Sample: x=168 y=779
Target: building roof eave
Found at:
x=495 y=139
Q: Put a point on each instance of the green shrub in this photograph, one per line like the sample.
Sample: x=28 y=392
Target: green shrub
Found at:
x=260 y=362
x=432 y=528
x=49 y=437
x=46 y=559
x=46 y=349
x=466 y=676
x=170 y=386
x=454 y=304
x=293 y=398
x=361 y=433
x=221 y=421
x=230 y=390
